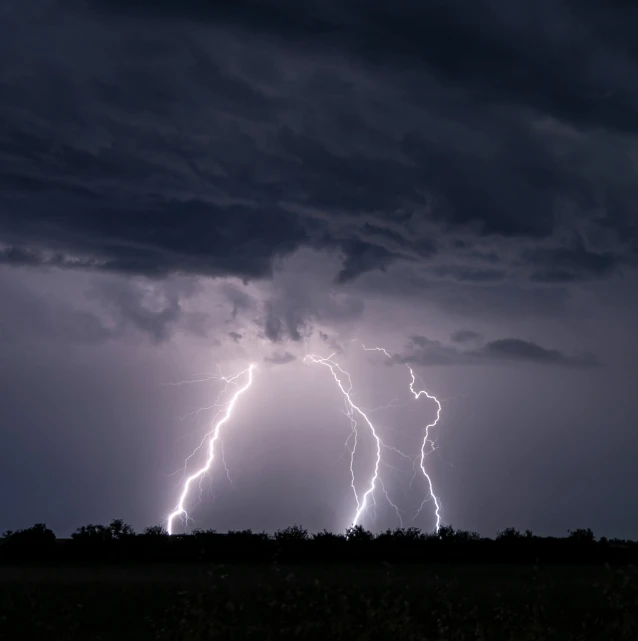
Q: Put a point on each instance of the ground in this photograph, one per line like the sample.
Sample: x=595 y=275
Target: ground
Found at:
x=318 y=602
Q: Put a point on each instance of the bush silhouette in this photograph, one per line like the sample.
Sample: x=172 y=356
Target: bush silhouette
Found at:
x=118 y=542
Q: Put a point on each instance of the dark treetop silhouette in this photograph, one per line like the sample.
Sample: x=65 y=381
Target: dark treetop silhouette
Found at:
x=119 y=542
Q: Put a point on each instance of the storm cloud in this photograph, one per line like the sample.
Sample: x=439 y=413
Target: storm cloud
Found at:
x=279 y=358
x=190 y=186
x=404 y=132
x=424 y=351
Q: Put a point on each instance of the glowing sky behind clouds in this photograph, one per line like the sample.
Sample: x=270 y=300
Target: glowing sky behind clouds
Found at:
x=187 y=184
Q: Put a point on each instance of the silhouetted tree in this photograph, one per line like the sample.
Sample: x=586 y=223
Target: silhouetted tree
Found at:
x=402 y=535
x=464 y=536
x=446 y=533
x=582 y=535
x=38 y=534
x=116 y=532
x=36 y=542
x=155 y=531
x=120 y=530
x=327 y=535
x=358 y=534
x=328 y=546
x=509 y=535
x=291 y=543
x=117 y=542
x=92 y=534
x=294 y=533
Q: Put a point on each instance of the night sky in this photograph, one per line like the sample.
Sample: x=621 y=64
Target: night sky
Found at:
x=189 y=186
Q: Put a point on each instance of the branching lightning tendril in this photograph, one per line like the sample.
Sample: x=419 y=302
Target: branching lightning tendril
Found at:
x=355 y=415
x=432 y=444
x=213 y=437
x=353 y=410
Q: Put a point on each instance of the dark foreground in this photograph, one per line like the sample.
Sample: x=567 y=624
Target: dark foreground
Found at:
x=318 y=602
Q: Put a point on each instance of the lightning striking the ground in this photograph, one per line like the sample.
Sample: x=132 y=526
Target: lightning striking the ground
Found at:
x=356 y=415
x=344 y=383
x=351 y=410
x=212 y=436
x=427 y=441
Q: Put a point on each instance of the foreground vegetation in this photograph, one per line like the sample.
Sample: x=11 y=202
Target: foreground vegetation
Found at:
x=118 y=542
x=107 y=582
x=270 y=601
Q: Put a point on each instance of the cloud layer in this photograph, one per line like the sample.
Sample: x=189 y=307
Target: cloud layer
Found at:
x=427 y=352
x=477 y=142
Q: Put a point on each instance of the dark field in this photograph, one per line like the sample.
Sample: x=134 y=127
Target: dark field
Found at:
x=318 y=602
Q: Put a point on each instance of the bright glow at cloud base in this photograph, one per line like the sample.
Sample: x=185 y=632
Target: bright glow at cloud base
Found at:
x=358 y=418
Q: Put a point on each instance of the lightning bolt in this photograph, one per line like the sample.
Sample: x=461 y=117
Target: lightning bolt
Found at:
x=354 y=413
x=352 y=410
x=427 y=441
x=213 y=437
x=426 y=438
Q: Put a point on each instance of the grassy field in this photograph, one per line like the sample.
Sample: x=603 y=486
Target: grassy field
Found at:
x=318 y=602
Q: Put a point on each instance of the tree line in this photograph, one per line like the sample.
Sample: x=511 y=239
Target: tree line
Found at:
x=118 y=542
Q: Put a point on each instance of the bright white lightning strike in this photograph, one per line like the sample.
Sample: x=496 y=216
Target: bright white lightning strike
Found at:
x=212 y=436
x=351 y=410
x=427 y=441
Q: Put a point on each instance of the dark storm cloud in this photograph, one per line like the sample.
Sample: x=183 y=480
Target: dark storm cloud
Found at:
x=424 y=351
x=21 y=257
x=465 y=336
x=571 y=262
x=239 y=299
x=515 y=349
x=213 y=138
x=553 y=56
x=187 y=237
x=461 y=274
x=362 y=257
x=280 y=358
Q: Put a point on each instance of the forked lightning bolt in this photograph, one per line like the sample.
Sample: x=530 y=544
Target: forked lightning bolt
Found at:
x=426 y=438
x=353 y=412
x=428 y=441
x=339 y=376
x=213 y=437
